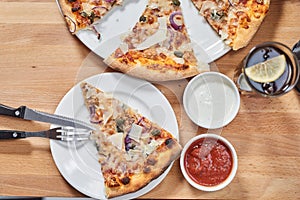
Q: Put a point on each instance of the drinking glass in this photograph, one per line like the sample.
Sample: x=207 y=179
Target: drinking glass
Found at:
x=260 y=53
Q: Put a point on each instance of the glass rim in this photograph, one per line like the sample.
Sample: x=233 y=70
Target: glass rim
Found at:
x=291 y=56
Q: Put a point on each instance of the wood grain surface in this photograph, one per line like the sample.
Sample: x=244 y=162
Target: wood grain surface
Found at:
x=40 y=61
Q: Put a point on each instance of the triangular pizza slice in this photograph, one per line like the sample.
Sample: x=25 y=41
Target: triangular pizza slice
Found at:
x=83 y=14
x=158 y=48
x=132 y=149
x=235 y=21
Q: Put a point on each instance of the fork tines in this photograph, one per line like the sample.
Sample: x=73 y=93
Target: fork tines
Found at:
x=73 y=134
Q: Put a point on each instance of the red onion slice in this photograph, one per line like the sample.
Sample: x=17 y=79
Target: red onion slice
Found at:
x=99 y=7
x=99 y=10
x=93 y=118
x=71 y=24
x=175 y=23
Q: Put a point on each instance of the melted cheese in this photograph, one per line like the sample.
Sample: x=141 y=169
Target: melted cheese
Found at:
x=117 y=140
x=179 y=60
x=87 y=8
x=135 y=132
x=107 y=115
x=159 y=36
x=148 y=149
x=207 y=5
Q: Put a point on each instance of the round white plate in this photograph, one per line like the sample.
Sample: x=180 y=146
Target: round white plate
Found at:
x=207 y=44
x=78 y=163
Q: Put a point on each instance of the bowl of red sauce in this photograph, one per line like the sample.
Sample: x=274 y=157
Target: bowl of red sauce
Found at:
x=208 y=162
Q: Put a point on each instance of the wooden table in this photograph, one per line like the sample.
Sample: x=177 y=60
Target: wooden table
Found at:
x=40 y=61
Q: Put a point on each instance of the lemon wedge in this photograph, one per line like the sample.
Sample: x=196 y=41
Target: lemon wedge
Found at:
x=268 y=71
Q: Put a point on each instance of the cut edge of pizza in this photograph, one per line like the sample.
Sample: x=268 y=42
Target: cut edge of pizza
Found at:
x=246 y=31
x=132 y=150
x=235 y=21
x=158 y=47
x=83 y=15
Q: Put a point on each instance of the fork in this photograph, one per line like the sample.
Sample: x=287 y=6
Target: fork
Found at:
x=59 y=133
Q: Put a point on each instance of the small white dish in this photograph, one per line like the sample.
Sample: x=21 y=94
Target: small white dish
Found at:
x=206 y=137
x=211 y=100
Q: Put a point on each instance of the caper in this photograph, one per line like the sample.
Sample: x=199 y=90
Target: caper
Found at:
x=176 y=2
x=217 y=15
x=155 y=132
x=92 y=17
x=178 y=54
x=84 y=14
x=119 y=124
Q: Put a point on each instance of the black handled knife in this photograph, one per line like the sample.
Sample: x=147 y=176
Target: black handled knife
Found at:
x=26 y=113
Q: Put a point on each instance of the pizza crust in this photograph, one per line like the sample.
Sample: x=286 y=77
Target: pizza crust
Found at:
x=244 y=36
x=166 y=75
x=140 y=181
x=68 y=15
x=150 y=74
x=164 y=158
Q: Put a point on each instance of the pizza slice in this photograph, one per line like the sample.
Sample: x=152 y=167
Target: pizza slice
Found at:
x=158 y=48
x=84 y=14
x=235 y=21
x=132 y=150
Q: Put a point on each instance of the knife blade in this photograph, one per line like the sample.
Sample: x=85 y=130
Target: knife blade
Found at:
x=26 y=113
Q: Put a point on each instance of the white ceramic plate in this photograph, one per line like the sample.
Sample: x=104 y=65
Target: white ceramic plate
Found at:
x=78 y=163
x=211 y=100
x=207 y=44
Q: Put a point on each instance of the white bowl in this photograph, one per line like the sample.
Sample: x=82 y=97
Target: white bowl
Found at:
x=221 y=185
x=211 y=100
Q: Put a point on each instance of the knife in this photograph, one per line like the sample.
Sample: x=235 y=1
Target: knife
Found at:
x=26 y=113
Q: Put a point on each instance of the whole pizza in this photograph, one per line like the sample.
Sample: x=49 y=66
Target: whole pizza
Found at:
x=158 y=47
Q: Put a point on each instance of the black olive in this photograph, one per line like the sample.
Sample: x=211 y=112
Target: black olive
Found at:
x=71 y=1
x=125 y=180
x=169 y=142
x=75 y=9
x=143 y=18
x=147 y=170
x=151 y=161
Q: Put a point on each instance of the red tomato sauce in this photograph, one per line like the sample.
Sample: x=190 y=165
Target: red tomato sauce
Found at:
x=208 y=161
